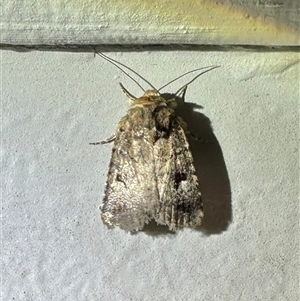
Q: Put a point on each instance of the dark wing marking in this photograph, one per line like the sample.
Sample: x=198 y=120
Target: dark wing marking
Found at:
x=180 y=203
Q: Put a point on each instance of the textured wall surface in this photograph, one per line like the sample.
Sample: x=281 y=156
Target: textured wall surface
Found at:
x=54 y=245
x=201 y=22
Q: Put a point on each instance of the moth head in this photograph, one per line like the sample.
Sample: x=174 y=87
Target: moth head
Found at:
x=148 y=95
x=151 y=93
x=155 y=97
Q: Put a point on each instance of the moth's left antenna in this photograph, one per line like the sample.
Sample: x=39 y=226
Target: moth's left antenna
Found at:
x=116 y=64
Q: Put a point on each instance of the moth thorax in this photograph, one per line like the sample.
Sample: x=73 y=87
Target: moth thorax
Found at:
x=151 y=93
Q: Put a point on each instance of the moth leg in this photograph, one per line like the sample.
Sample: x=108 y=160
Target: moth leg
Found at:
x=196 y=137
x=181 y=92
x=108 y=140
x=128 y=94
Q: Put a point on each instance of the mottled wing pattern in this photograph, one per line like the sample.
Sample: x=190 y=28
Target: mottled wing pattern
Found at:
x=151 y=173
x=180 y=203
x=131 y=192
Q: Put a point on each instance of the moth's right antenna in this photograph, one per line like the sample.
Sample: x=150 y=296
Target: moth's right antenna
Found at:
x=185 y=85
x=184 y=74
x=115 y=63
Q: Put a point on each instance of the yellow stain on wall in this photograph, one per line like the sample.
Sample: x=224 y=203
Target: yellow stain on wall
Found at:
x=148 y=21
x=218 y=23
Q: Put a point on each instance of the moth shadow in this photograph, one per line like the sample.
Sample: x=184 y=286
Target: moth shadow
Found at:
x=210 y=168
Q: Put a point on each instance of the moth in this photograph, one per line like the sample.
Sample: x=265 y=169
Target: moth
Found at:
x=151 y=173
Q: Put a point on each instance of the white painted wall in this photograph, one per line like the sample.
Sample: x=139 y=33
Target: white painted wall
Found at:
x=54 y=245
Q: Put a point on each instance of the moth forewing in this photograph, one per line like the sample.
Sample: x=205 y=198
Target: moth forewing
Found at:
x=151 y=174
